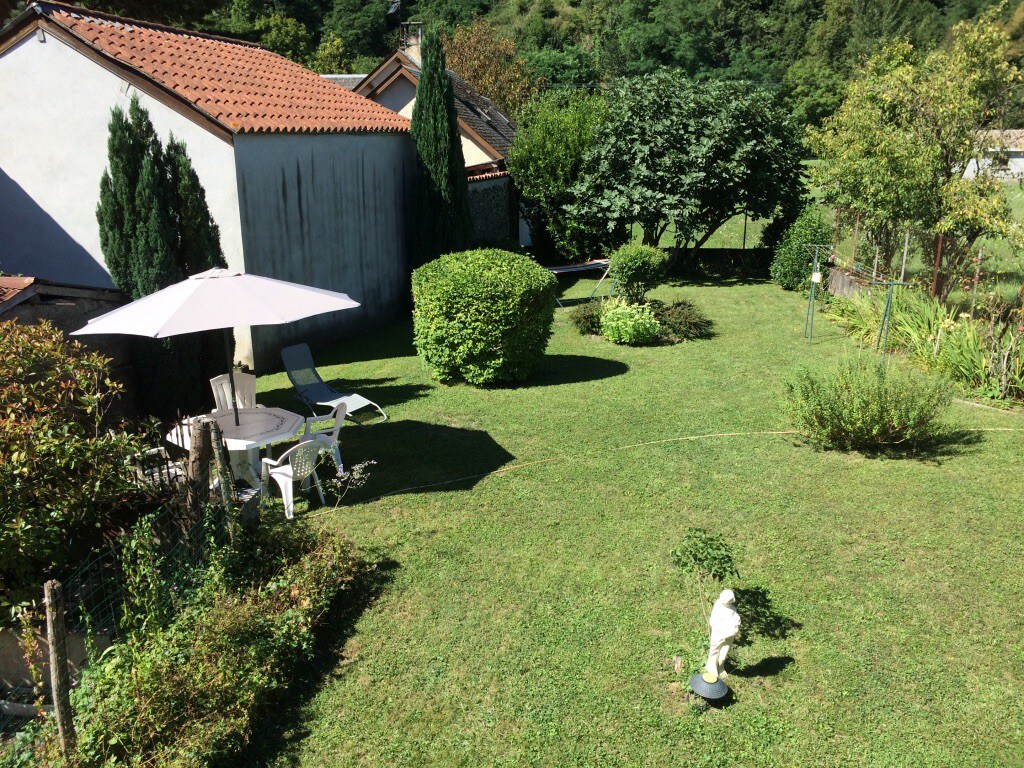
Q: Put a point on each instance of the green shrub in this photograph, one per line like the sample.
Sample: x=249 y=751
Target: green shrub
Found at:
x=707 y=557
x=680 y=321
x=632 y=324
x=64 y=469
x=793 y=261
x=636 y=269
x=188 y=694
x=867 y=404
x=586 y=317
x=482 y=316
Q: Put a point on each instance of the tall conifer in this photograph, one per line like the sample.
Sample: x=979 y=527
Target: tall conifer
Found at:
x=443 y=223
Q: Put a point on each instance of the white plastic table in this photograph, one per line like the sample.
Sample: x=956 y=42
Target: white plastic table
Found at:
x=257 y=428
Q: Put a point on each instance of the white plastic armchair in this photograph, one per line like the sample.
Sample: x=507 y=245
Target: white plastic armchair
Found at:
x=329 y=435
x=295 y=465
x=245 y=391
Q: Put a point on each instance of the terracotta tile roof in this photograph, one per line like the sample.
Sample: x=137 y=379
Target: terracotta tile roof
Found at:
x=484 y=176
x=243 y=87
x=12 y=286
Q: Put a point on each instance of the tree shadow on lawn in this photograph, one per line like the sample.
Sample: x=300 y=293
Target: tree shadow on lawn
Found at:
x=415 y=456
x=769 y=666
x=571 y=369
x=277 y=737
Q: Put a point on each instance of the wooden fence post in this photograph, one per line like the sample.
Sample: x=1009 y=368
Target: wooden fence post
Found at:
x=938 y=263
x=60 y=678
x=200 y=454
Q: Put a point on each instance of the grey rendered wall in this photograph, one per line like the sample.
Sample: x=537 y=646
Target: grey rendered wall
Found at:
x=325 y=210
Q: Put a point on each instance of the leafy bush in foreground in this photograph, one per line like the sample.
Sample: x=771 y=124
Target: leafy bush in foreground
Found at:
x=636 y=269
x=867 y=404
x=632 y=324
x=482 y=316
x=793 y=260
x=64 y=469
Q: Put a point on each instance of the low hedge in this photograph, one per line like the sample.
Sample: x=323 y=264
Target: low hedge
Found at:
x=482 y=316
x=190 y=693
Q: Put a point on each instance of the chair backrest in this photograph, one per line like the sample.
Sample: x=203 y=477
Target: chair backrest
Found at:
x=298 y=364
x=303 y=458
x=245 y=391
x=331 y=433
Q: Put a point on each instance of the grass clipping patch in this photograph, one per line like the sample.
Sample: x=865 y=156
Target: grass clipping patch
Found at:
x=866 y=404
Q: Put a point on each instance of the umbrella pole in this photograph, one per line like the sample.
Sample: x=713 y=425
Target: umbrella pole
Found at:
x=231 y=370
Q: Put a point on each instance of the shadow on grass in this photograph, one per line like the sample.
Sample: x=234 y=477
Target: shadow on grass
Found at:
x=281 y=731
x=948 y=443
x=769 y=666
x=419 y=456
x=572 y=369
x=760 y=617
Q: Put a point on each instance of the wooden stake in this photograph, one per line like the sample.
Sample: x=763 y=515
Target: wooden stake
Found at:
x=977 y=277
x=60 y=678
x=856 y=234
x=906 y=249
x=200 y=453
x=938 y=261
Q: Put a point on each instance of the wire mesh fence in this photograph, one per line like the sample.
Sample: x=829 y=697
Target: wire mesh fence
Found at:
x=147 y=574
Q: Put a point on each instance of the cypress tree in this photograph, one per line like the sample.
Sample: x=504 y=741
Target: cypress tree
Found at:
x=197 y=235
x=443 y=221
x=156 y=229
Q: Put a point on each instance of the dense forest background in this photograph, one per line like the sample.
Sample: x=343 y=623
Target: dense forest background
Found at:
x=807 y=49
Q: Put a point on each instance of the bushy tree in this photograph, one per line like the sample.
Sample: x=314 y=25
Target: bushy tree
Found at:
x=793 y=260
x=555 y=131
x=443 y=224
x=156 y=229
x=910 y=126
x=64 y=465
x=284 y=35
x=360 y=25
x=330 y=55
x=692 y=155
x=489 y=62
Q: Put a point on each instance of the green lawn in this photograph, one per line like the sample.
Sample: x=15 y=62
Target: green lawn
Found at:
x=529 y=616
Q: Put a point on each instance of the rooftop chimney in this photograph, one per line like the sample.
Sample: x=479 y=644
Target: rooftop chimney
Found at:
x=412 y=38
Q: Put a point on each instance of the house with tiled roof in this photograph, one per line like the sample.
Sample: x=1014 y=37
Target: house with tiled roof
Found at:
x=305 y=178
x=486 y=131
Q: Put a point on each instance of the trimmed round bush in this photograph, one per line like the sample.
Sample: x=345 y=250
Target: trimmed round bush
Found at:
x=482 y=316
x=681 y=321
x=868 y=404
x=636 y=269
x=632 y=324
x=793 y=260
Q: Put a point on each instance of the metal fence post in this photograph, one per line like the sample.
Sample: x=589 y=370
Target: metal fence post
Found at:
x=60 y=678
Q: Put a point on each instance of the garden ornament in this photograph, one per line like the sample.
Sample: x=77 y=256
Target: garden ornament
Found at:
x=725 y=625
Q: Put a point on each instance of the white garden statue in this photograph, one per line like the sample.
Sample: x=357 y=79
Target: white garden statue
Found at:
x=725 y=625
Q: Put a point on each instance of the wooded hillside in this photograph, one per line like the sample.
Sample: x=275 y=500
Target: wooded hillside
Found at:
x=806 y=48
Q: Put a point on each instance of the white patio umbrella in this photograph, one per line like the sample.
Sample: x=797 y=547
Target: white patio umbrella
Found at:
x=217 y=299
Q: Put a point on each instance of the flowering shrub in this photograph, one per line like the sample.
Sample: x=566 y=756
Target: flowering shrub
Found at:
x=64 y=469
x=632 y=324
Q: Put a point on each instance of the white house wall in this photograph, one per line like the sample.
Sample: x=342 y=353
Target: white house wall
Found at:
x=55 y=107
x=400 y=97
x=328 y=210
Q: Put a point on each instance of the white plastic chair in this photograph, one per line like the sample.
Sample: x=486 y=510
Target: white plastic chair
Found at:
x=245 y=391
x=296 y=465
x=329 y=435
